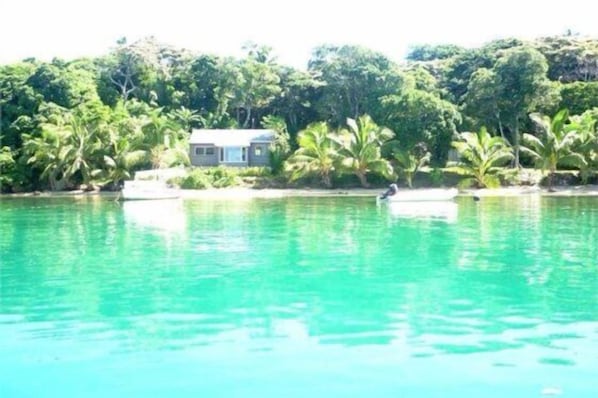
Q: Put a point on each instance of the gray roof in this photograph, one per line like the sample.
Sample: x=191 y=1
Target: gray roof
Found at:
x=231 y=137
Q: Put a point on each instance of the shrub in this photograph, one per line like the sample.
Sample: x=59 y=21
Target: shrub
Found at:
x=196 y=179
x=254 y=172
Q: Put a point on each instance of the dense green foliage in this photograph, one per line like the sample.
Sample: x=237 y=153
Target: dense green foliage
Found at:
x=92 y=122
x=481 y=155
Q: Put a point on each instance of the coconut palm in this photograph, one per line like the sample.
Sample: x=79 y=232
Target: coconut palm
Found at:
x=280 y=147
x=82 y=154
x=122 y=159
x=360 y=148
x=65 y=149
x=556 y=144
x=587 y=145
x=317 y=154
x=185 y=117
x=481 y=154
x=409 y=161
x=161 y=156
x=45 y=152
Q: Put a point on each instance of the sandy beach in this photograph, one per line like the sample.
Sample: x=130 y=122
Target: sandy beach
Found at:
x=249 y=193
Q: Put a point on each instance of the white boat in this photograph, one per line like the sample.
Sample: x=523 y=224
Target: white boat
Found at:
x=148 y=190
x=421 y=195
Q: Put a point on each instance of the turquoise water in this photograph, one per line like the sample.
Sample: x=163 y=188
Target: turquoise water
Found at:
x=301 y=297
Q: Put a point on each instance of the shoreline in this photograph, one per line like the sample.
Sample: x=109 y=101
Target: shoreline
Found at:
x=252 y=193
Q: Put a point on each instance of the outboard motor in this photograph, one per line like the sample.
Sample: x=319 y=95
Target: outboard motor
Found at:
x=392 y=190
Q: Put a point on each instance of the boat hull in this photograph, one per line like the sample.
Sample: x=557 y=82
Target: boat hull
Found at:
x=423 y=195
x=148 y=190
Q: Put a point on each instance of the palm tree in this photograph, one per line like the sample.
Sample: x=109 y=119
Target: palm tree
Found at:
x=122 y=159
x=317 y=154
x=83 y=149
x=161 y=156
x=280 y=148
x=409 y=161
x=185 y=117
x=63 y=149
x=360 y=148
x=481 y=154
x=556 y=144
x=6 y=166
x=587 y=145
x=44 y=152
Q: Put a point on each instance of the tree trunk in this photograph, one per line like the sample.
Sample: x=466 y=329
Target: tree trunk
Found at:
x=516 y=143
x=326 y=180
x=247 y=117
x=409 y=178
x=500 y=129
x=362 y=179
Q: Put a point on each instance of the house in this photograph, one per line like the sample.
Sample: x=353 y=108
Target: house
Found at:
x=232 y=147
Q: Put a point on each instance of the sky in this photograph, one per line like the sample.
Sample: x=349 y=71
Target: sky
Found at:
x=69 y=29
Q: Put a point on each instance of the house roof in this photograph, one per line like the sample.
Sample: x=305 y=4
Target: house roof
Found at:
x=231 y=137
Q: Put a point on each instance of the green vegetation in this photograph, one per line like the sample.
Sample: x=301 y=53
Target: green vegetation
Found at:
x=556 y=143
x=481 y=154
x=352 y=117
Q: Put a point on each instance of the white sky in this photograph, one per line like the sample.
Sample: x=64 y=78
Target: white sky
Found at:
x=69 y=28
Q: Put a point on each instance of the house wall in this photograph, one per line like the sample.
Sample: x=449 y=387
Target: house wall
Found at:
x=203 y=160
x=261 y=160
x=214 y=160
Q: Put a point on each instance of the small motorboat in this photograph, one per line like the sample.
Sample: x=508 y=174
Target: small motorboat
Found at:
x=148 y=190
x=417 y=195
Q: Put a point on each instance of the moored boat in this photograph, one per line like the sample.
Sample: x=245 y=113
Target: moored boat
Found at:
x=148 y=190
x=419 y=195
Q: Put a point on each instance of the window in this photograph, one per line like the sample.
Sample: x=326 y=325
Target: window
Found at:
x=201 y=150
x=233 y=154
x=259 y=150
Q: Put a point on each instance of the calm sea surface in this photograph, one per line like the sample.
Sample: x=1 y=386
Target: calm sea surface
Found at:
x=298 y=297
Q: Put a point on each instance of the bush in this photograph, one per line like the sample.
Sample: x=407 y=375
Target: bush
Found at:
x=255 y=172
x=196 y=179
x=223 y=177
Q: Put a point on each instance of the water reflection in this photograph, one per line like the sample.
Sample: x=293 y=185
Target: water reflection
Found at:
x=444 y=211
x=165 y=215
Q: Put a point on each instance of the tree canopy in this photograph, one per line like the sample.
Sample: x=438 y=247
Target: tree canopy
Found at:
x=70 y=123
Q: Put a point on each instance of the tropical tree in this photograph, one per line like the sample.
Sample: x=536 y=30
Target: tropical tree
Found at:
x=317 y=154
x=354 y=78
x=417 y=116
x=124 y=155
x=186 y=118
x=280 y=147
x=587 y=145
x=46 y=153
x=522 y=87
x=409 y=161
x=7 y=163
x=162 y=156
x=481 y=154
x=556 y=144
x=257 y=84
x=64 y=150
x=360 y=148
